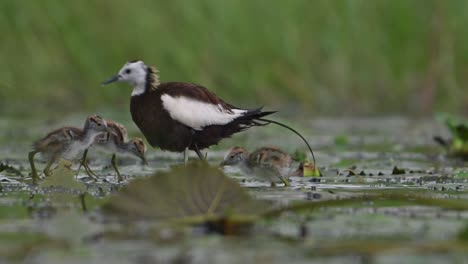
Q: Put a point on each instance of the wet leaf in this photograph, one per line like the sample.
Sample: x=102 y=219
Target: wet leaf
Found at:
x=457 y=126
x=300 y=156
x=58 y=227
x=195 y=192
x=63 y=178
x=62 y=188
x=10 y=169
x=458 y=144
x=462 y=174
x=398 y=171
x=463 y=235
x=393 y=196
x=310 y=170
x=341 y=140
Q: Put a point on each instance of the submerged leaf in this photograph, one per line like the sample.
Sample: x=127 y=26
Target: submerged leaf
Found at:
x=196 y=191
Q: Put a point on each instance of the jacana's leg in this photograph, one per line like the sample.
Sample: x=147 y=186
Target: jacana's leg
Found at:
x=83 y=161
x=200 y=155
x=285 y=181
x=90 y=172
x=47 y=171
x=186 y=151
x=114 y=164
x=186 y=155
x=34 y=175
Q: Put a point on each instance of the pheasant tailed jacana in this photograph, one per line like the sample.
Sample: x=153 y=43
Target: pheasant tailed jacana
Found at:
x=178 y=116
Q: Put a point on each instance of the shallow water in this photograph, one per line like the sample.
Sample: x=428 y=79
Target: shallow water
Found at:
x=41 y=227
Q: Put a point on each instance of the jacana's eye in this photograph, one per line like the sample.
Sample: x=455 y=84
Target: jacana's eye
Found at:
x=128 y=71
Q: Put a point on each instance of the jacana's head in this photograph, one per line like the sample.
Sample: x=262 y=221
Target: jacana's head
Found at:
x=95 y=123
x=137 y=74
x=138 y=148
x=235 y=156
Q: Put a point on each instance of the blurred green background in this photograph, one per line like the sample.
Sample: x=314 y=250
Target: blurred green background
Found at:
x=327 y=57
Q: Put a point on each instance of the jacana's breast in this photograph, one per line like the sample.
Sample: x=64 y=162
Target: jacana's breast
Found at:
x=156 y=124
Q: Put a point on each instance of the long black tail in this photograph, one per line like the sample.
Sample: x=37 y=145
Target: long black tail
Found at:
x=442 y=141
x=268 y=121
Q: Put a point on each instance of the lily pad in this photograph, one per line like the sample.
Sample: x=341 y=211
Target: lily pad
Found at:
x=63 y=178
x=194 y=193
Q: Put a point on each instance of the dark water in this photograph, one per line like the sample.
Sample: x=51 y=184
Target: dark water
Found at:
x=49 y=228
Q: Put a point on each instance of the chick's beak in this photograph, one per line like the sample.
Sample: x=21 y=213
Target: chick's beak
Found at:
x=222 y=164
x=111 y=80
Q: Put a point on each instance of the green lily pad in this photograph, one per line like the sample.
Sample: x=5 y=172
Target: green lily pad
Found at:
x=194 y=193
x=63 y=178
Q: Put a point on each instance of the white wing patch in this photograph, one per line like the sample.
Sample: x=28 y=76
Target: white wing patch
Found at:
x=196 y=114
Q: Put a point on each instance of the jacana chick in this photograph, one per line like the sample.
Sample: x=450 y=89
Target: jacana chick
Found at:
x=66 y=142
x=116 y=141
x=266 y=162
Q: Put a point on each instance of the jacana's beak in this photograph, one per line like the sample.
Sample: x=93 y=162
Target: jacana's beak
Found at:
x=222 y=164
x=111 y=80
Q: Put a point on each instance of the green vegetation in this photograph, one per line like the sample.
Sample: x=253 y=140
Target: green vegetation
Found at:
x=330 y=56
x=458 y=144
x=194 y=192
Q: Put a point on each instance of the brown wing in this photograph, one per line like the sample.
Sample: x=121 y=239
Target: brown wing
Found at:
x=117 y=130
x=193 y=91
x=56 y=139
x=162 y=131
x=270 y=156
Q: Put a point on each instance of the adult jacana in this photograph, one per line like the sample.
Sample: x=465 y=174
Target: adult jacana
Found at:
x=178 y=116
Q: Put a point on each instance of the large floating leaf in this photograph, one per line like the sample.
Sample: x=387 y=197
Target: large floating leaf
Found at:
x=193 y=192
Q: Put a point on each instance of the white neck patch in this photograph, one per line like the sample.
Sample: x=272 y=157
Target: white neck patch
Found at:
x=196 y=114
x=138 y=89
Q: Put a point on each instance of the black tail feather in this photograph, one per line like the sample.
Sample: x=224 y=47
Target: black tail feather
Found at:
x=248 y=119
x=442 y=141
x=256 y=113
x=268 y=121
